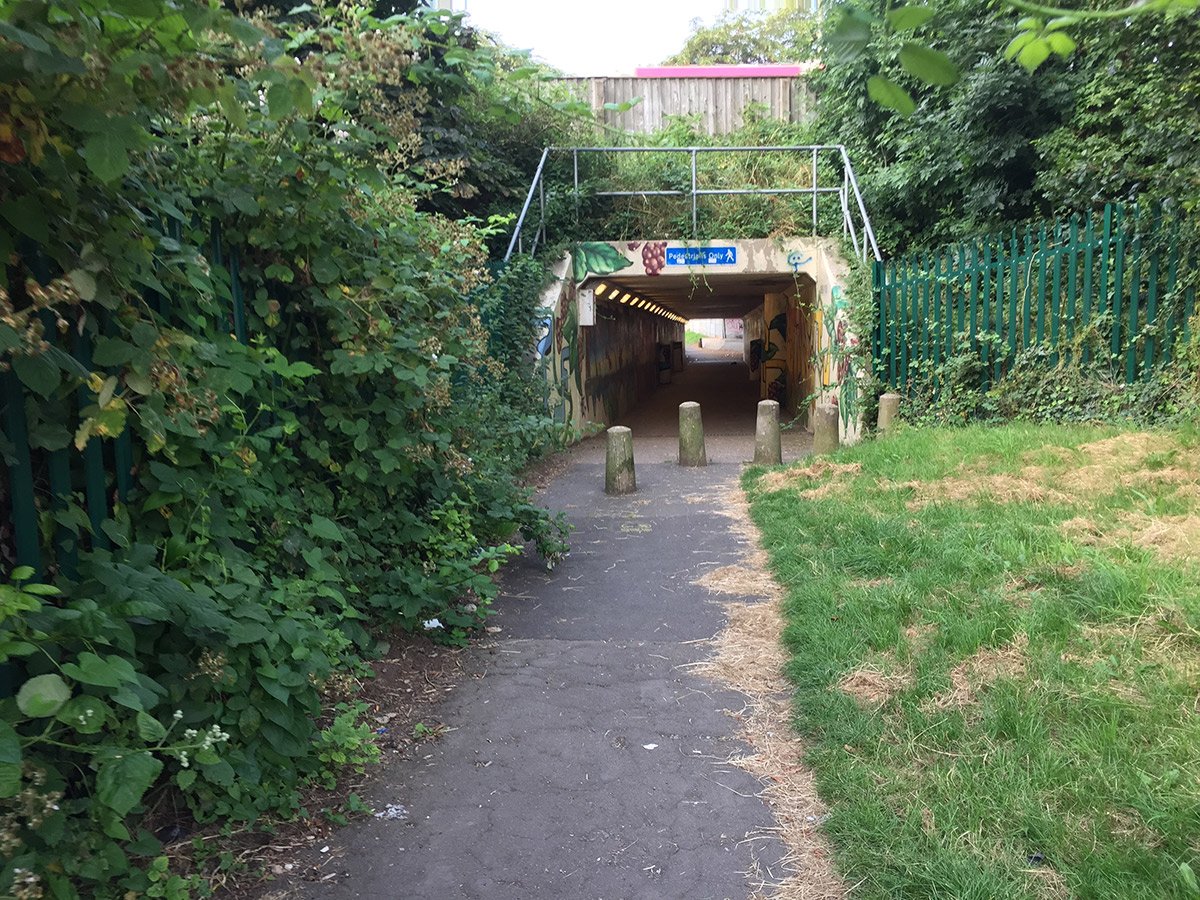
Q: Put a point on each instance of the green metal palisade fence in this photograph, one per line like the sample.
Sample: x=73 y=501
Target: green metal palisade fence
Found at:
x=58 y=498
x=1110 y=289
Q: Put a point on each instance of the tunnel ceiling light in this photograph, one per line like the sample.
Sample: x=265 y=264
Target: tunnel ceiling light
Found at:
x=625 y=299
x=601 y=288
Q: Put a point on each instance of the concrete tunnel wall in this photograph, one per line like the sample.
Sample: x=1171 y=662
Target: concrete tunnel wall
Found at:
x=596 y=373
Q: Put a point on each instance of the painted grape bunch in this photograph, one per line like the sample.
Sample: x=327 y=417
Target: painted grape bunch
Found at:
x=654 y=256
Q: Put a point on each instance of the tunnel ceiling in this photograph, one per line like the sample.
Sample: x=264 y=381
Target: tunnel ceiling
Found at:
x=713 y=296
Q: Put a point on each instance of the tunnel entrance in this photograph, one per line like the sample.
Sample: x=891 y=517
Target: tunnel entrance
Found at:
x=622 y=304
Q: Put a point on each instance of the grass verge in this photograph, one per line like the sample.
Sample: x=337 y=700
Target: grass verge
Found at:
x=994 y=638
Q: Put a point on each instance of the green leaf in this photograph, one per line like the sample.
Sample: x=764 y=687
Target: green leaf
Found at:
x=84 y=283
x=91 y=669
x=149 y=729
x=42 y=590
x=931 y=66
x=600 y=258
x=887 y=93
x=24 y=38
x=1061 y=43
x=326 y=529
x=10 y=780
x=10 y=744
x=906 y=18
x=850 y=36
x=43 y=696
x=21 y=573
x=37 y=373
x=27 y=216
x=112 y=352
x=1015 y=45
x=325 y=270
x=139 y=384
x=85 y=714
x=107 y=154
x=280 y=101
x=143 y=334
x=159 y=499
x=1033 y=54
x=122 y=782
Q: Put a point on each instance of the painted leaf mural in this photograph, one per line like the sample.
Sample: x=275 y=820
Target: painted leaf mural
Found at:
x=598 y=258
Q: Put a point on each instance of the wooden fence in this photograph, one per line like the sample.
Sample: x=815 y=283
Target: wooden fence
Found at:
x=719 y=102
x=1112 y=288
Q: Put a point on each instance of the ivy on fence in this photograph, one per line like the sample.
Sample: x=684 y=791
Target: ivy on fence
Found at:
x=1113 y=291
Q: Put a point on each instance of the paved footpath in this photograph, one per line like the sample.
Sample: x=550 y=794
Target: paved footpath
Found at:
x=587 y=762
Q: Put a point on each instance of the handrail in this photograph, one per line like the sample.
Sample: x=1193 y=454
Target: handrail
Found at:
x=537 y=178
x=857 y=227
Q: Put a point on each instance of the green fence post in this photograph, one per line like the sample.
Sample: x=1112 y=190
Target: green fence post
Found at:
x=1135 y=288
x=892 y=322
x=1041 y=286
x=26 y=540
x=1168 y=343
x=1118 y=289
x=1072 y=278
x=1156 y=235
x=923 y=291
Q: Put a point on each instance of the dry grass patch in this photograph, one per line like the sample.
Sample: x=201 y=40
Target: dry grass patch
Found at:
x=874 y=683
x=1002 y=487
x=1161 y=637
x=741 y=581
x=1090 y=471
x=796 y=477
x=1172 y=537
x=977 y=671
x=749 y=657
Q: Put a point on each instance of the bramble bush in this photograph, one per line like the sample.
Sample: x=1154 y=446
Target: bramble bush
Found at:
x=344 y=457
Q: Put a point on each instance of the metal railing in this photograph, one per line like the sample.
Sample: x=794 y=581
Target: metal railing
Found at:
x=856 y=223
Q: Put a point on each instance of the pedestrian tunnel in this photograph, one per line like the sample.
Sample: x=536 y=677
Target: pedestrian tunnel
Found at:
x=613 y=346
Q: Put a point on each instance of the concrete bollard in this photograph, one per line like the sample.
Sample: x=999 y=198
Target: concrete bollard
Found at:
x=768 y=446
x=619 y=476
x=691 y=436
x=825 y=429
x=889 y=407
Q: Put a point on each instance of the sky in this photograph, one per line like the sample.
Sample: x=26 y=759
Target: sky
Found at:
x=610 y=37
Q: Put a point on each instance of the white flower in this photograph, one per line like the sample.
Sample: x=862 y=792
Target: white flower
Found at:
x=430 y=624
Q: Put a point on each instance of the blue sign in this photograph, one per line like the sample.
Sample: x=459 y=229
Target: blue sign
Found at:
x=702 y=256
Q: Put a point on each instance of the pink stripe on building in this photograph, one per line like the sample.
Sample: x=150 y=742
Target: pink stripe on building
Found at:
x=748 y=71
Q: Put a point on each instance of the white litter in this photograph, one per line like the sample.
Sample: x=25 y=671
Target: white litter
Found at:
x=393 y=811
x=649 y=746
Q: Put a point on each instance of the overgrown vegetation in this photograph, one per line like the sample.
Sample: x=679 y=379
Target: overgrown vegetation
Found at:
x=1044 y=386
x=236 y=252
x=1116 y=120
x=993 y=635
